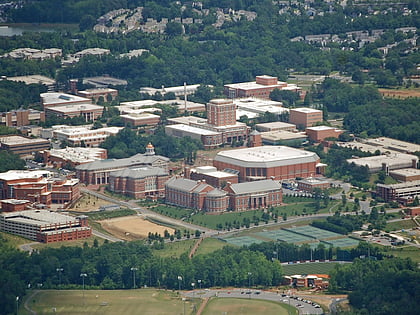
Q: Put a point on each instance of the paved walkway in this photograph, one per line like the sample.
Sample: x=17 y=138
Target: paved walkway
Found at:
x=29 y=298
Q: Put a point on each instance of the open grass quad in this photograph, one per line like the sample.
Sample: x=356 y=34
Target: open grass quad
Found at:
x=141 y=301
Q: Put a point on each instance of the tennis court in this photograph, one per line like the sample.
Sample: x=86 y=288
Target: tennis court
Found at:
x=285 y=236
x=314 y=232
x=242 y=240
x=342 y=242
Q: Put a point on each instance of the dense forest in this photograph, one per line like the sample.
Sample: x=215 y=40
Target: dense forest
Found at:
x=376 y=287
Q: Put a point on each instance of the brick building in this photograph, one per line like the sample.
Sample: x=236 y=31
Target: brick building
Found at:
x=139 y=182
x=89 y=112
x=402 y=192
x=260 y=88
x=221 y=112
x=309 y=184
x=97 y=172
x=140 y=119
x=304 y=117
x=254 y=195
x=320 y=133
x=76 y=136
x=211 y=175
x=106 y=94
x=11 y=205
x=45 y=226
x=278 y=162
x=236 y=197
x=186 y=193
x=21 y=117
x=405 y=174
x=23 y=146
x=38 y=187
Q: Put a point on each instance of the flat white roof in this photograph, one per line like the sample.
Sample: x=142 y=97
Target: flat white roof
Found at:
x=38 y=217
x=75 y=108
x=305 y=110
x=276 y=124
x=266 y=156
x=139 y=116
x=33 y=79
x=78 y=154
x=282 y=135
x=394 y=160
x=406 y=172
x=252 y=101
x=24 y=174
x=191 y=129
x=62 y=98
x=395 y=144
x=10 y=140
x=82 y=131
x=320 y=128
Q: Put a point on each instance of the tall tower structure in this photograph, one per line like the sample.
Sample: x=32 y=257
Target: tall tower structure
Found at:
x=221 y=112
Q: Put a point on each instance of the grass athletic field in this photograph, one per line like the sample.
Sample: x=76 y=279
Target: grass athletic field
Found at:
x=230 y=306
x=127 y=302
x=309 y=268
x=143 y=301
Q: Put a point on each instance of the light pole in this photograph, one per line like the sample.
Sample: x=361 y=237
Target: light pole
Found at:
x=193 y=285
x=17 y=305
x=199 y=283
x=133 y=269
x=83 y=276
x=183 y=299
x=179 y=282
x=59 y=270
x=249 y=283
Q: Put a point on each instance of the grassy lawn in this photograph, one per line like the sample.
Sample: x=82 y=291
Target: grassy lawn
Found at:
x=400 y=225
x=175 y=249
x=246 y=307
x=103 y=215
x=209 y=245
x=173 y=212
x=310 y=268
x=404 y=252
x=144 y=301
x=78 y=243
x=14 y=240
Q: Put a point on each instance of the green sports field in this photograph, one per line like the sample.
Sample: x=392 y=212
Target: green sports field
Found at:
x=308 y=268
x=234 y=306
x=127 y=302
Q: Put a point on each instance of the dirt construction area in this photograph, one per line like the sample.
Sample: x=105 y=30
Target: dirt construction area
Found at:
x=400 y=93
x=132 y=227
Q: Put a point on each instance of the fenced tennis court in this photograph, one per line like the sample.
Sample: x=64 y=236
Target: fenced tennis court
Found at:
x=285 y=236
x=242 y=240
x=342 y=242
x=313 y=232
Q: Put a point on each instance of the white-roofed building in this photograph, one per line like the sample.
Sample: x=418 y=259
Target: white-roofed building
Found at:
x=51 y=99
x=76 y=136
x=387 y=162
x=278 y=162
x=260 y=88
x=72 y=156
x=209 y=138
x=304 y=117
x=89 y=112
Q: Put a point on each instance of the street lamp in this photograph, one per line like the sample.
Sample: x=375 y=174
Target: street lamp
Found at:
x=59 y=270
x=133 y=269
x=183 y=299
x=249 y=283
x=179 y=282
x=193 y=285
x=199 y=283
x=17 y=305
x=83 y=276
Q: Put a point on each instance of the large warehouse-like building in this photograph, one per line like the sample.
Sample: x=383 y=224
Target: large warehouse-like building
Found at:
x=278 y=162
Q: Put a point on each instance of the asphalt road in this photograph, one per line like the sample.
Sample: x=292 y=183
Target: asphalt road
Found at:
x=303 y=307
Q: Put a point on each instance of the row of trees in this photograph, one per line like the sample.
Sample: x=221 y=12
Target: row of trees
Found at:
x=127 y=143
x=389 y=286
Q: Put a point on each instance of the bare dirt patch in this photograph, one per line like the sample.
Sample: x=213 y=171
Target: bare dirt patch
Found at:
x=400 y=93
x=133 y=227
